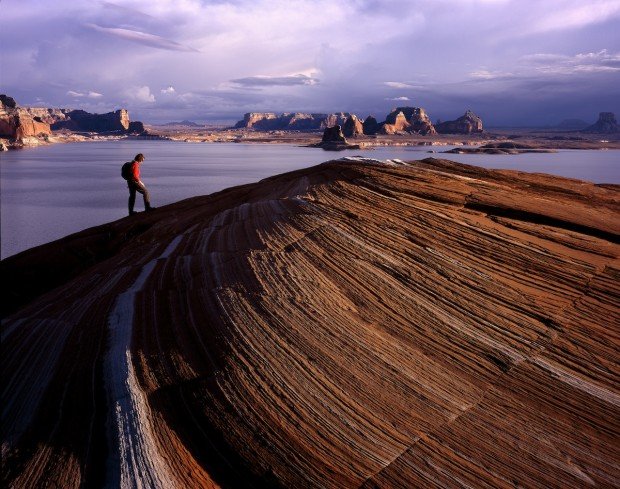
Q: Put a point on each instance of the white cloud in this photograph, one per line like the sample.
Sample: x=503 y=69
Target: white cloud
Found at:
x=269 y=81
x=561 y=64
x=168 y=90
x=403 y=99
x=140 y=94
x=142 y=38
x=393 y=84
x=483 y=74
x=573 y=15
x=90 y=94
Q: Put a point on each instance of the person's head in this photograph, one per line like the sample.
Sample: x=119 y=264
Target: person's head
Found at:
x=139 y=158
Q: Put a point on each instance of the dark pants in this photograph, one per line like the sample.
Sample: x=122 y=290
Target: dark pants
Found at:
x=136 y=187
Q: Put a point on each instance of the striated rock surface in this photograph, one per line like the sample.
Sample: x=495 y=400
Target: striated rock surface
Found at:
x=352 y=127
x=347 y=325
x=606 y=124
x=466 y=124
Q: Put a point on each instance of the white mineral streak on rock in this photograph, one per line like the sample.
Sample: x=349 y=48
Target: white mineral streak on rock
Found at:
x=373 y=161
x=577 y=382
x=138 y=463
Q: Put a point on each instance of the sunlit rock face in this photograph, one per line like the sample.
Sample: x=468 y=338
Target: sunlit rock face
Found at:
x=468 y=123
x=291 y=121
x=347 y=325
x=18 y=124
x=606 y=124
x=409 y=119
x=352 y=127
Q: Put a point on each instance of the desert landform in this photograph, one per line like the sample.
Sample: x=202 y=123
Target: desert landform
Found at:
x=402 y=126
x=355 y=324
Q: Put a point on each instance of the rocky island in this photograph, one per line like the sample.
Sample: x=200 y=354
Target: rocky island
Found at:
x=354 y=324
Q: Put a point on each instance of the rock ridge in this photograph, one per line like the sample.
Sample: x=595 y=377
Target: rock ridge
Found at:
x=354 y=324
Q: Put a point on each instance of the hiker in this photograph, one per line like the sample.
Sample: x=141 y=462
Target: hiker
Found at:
x=135 y=184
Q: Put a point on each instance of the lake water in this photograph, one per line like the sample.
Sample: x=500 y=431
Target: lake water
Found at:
x=51 y=191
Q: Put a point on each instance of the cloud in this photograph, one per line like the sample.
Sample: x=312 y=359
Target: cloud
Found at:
x=561 y=64
x=315 y=55
x=90 y=94
x=142 y=38
x=491 y=75
x=271 y=81
x=573 y=15
x=404 y=99
x=140 y=94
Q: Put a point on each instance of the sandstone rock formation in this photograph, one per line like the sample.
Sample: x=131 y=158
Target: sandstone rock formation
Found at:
x=21 y=126
x=337 y=118
x=80 y=120
x=18 y=126
x=352 y=127
x=466 y=124
x=347 y=325
x=333 y=135
x=606 y=124
x=409 y=119
x=7 y=102
x=250 y=119
x=395 y=122
x=290 y=121
x=371 y=126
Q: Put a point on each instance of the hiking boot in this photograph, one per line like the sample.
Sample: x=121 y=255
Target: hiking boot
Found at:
x=131 y=213
x=150 y=209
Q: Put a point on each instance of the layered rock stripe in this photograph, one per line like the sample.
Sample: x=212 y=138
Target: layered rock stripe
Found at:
x=347 y=325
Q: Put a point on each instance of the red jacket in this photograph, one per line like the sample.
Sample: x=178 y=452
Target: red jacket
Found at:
x=135 y=171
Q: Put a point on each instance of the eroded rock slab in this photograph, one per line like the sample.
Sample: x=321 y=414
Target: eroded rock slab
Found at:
x=354 y=324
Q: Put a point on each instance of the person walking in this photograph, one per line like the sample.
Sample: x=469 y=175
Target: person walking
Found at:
x=136 y=185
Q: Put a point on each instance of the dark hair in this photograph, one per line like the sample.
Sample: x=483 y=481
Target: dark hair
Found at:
x=139 y=157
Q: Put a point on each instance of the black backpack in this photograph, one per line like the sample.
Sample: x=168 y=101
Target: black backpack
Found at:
x=126 y=170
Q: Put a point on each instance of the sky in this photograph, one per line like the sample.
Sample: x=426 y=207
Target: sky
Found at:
x=513 y=62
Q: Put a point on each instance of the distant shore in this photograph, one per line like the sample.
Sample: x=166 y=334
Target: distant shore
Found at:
x=533 y=139
x=530 y=137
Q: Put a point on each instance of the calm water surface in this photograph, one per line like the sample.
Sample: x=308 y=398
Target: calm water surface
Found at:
x=52 y=191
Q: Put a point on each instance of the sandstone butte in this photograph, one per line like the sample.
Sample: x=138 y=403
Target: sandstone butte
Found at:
x=347 y=325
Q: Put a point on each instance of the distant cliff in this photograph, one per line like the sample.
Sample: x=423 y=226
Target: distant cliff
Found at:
x=290 y=121
x=27 y=126
x=401 y=119
x=80 y=120
x=606 y=124
x=466 y=124
x=19 y=126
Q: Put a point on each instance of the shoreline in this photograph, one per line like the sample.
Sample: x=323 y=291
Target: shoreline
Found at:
x=528 y=138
